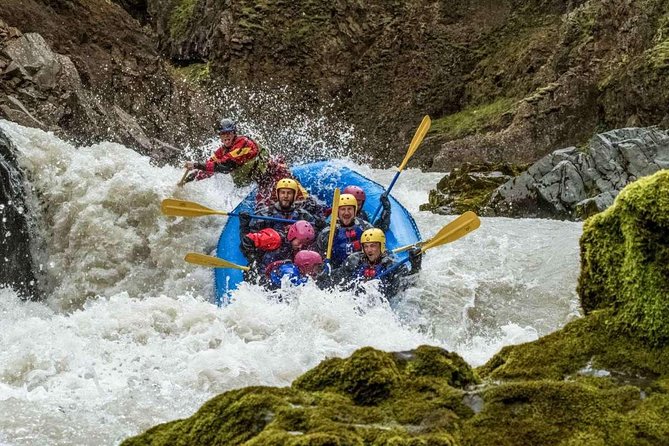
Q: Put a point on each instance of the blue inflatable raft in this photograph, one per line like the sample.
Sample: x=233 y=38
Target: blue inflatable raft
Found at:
x=320 y=179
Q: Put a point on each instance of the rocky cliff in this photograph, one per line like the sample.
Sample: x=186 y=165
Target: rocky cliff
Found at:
x=504 y=81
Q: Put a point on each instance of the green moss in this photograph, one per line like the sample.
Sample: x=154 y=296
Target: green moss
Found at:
x=469 y=187
x=624 y=258
x=583 y=343
x=474 y=119
x=368 y=376
x=230 y=418
x=658 y=56
x=549 y=413
x=439 y=363
x=195 y=74
x=180 y=17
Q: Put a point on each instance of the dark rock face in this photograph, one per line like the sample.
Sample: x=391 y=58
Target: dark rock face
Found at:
x=504 y=81
x=469 y=187
x=15 y=255
x=98 y=78
x=572 y=183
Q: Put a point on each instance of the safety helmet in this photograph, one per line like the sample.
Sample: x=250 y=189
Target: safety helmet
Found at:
x=285 y=269
x=307 y=260
x=301 y=230
x=348 y=200
x=287 y=183
x=356 y=191
x=227 y=125
x=374 y=235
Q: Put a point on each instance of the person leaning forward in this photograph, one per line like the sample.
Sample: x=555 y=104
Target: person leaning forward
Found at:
x=237 y=155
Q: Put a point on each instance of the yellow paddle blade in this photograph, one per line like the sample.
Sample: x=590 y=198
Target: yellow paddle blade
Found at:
x=211 y=262
x=333 y=223
x=182 y=208
x=456 y=229
x=417 y=139
x=443 y=232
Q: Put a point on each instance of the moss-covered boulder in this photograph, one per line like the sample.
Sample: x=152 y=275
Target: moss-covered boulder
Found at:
x=576 y=386
x=371 y=398
x=625 y=260
x=469 y=187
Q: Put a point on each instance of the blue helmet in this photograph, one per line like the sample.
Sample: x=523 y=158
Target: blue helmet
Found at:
x=227 y=125
x=285 y=269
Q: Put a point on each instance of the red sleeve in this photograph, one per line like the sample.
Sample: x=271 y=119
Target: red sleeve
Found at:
x=243 y=150
x=267 y=239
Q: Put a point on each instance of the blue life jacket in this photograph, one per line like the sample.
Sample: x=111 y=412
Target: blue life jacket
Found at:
x=286 y=269
x=346 y=242
x=365 y=271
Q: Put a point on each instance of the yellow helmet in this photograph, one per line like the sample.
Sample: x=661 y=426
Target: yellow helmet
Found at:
x=287 y=183
x=374 y=235
x=348 y=200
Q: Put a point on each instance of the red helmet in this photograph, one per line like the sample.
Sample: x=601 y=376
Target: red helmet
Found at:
x=356 y=191
x=301 y=230
x=306 y=261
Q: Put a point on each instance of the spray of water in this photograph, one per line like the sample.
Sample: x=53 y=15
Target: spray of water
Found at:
x=128 y=338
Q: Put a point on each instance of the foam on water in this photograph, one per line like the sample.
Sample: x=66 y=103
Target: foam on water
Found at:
x=127 y=337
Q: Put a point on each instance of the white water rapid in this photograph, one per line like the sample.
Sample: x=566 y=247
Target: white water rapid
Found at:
x=127 y=338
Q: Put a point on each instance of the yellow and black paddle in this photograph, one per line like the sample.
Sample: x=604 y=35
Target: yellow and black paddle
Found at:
x=415 y=142
x=173 y=207
x=211 y=261
x=459 y=227
x=456 y=229
x=333 y=224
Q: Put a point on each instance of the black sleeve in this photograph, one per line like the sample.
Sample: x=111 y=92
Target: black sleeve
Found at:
x=225 y=167
x=384 y=220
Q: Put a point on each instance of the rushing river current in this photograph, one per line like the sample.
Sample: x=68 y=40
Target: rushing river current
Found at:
x=127 y=337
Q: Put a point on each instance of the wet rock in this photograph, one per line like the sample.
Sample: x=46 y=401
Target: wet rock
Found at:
x=575 y=183
x=16 y=261
x=469 y=187
x=372 y=397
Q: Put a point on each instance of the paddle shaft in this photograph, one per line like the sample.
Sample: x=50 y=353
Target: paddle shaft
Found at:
x=386 y=192
x=393 y=268
x=262 y=217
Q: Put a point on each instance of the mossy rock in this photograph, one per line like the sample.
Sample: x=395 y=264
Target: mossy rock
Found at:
x=560 y=413
x=370 y=398
x=581 y=347
x=469 y=187
x=368 y=376
x=438 y=363
x=625 y=260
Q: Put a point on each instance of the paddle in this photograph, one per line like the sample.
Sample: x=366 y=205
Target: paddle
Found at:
x=211 y=262
x=333 y=224
x=181 y=208
x=456 y=229
x=415 y=142
x=183 y=178
x=446 y=230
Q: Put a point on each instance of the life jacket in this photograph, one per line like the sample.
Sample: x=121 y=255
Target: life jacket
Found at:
x=293 y=213
x=346 y=242
x=275 y=272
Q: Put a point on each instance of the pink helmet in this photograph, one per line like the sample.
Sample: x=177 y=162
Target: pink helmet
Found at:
x=356 y=191
x=301 y=230
x=306 y=261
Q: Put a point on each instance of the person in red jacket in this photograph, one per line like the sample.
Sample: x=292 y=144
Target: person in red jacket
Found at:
x=238 y=155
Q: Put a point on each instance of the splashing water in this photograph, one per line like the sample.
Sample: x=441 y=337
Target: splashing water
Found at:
x=127 y=338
